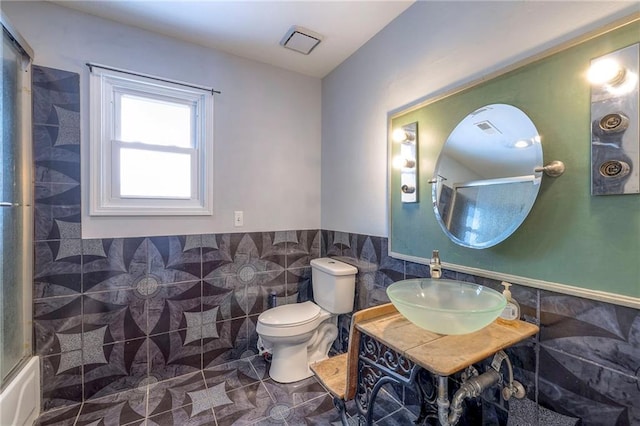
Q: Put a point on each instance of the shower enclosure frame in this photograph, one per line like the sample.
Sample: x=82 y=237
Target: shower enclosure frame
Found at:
x=20 y=378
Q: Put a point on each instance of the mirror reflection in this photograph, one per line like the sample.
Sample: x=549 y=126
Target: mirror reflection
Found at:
x=485 y=181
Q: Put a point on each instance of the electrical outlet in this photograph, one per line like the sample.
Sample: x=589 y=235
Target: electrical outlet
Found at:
x=238 y=219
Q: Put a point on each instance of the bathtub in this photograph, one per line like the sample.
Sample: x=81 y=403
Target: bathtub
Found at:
x=20 y=400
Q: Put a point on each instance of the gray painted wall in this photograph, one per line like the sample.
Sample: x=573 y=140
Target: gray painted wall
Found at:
x=264 y=118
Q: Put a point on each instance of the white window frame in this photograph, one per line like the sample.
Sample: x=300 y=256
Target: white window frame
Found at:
x=106 y=87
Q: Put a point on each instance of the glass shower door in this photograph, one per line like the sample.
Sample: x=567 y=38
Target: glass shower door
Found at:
x=15 y=181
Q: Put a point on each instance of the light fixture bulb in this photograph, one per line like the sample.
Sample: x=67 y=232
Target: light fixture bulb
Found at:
x=628 y=85
x=401 y=135
x=400 y=162
x=606 y=71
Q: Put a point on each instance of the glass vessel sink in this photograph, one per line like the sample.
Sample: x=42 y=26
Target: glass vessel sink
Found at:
x=446 y=306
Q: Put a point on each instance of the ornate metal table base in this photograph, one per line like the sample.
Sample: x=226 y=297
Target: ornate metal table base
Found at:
x=379 y=365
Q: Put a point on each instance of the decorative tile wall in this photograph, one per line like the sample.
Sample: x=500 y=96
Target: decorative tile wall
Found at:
x=133 y=311
x=114 y=315
x=149 y=309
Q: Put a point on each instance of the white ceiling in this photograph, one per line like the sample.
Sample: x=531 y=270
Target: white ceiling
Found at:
x=254 y=29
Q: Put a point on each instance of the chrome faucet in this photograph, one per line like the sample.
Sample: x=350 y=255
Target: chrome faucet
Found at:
x=435 y=268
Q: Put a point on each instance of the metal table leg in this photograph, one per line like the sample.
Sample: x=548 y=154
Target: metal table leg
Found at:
x=377 y=366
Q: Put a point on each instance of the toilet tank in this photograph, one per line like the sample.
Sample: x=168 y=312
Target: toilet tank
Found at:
x=334 y=285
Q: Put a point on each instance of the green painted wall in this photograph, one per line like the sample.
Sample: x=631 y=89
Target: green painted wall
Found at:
x=570 y=237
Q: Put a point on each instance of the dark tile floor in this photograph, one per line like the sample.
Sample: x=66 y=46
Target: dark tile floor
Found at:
x=237 y=393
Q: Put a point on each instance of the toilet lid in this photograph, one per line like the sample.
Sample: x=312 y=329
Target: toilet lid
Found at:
x=290 y=315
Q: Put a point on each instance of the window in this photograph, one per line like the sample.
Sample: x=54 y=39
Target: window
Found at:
x=151 y=147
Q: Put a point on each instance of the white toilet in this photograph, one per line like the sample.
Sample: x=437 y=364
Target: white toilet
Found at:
x=302 y=333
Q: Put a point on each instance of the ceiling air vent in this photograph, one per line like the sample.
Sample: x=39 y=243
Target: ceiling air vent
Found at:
x=301 y=40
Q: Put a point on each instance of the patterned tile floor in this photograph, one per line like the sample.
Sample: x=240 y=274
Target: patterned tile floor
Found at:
x=237 y=393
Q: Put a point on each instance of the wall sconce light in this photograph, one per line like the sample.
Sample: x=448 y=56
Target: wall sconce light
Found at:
x=615 y=141
x=400 y=162
x=606 y=71
x=407 y=161
x=612 y=75
x=403 y=135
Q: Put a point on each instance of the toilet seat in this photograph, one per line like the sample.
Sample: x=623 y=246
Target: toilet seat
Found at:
x=295 y=319
x=291 y=315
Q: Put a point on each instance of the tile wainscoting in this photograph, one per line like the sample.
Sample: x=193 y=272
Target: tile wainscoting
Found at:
x=150 y=309
x=113 y=315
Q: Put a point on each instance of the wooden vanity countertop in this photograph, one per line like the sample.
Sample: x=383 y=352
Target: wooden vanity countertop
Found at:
x=441 y=354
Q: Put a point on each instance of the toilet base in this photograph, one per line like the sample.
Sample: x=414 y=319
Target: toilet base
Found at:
x=293 y=348
x=289 y=363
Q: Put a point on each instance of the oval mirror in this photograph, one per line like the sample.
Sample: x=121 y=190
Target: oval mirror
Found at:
x=485 y=183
